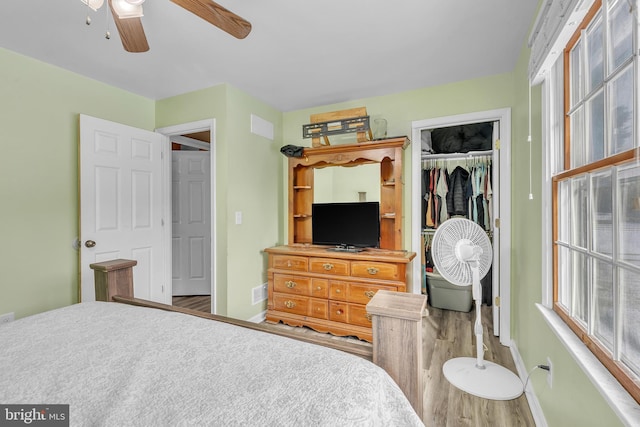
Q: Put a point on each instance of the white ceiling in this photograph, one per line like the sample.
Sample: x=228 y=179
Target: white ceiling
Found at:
x=299 y=54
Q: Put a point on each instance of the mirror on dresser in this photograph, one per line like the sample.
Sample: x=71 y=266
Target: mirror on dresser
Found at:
x=339 y=184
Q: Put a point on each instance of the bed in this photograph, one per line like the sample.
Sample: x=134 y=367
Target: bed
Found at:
x=117 y=364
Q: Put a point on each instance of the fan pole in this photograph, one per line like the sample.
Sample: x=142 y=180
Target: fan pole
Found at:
x=476 y=290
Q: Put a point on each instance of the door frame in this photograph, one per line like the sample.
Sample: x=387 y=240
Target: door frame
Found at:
x=503 y=116
x=177 y=130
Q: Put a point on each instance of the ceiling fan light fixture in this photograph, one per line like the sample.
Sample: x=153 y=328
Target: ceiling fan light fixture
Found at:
x=93 y=4
x=127 y=8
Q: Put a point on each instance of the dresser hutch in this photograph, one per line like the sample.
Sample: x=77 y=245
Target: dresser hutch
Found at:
x=326 y=290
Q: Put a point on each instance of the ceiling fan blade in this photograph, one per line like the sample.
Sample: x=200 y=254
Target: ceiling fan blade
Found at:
x=131 y=33
x=217 y=15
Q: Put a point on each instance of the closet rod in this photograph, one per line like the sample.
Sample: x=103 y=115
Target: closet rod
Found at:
x=469 y=155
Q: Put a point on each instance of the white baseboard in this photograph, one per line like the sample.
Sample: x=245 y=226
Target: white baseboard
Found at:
x=259 y=318
x=534 y=404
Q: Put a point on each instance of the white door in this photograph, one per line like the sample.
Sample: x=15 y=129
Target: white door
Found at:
x=191 y=228
x=121 y=204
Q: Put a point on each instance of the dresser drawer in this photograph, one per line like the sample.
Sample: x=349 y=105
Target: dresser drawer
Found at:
x=319 y=308
x=319 y=288
x=377 y=270
x=300 y=285
x=329 y=266
x=304 y=306
x=338 y=290
x=339 y=311
x=362 y=293
x=296 y=285
x=358 y=315
x=289 y=262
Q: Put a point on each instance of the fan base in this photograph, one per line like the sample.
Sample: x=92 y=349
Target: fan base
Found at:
x=494 y=382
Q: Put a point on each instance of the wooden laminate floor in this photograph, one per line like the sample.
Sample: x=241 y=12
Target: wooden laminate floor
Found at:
x=197 y=302
x=446 y=334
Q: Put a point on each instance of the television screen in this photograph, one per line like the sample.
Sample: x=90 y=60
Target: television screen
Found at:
x=349 y=224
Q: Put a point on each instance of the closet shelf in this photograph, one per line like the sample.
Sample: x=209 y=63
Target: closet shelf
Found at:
x=469 y=155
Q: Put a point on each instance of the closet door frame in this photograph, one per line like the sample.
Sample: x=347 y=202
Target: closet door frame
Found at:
x=501 y=208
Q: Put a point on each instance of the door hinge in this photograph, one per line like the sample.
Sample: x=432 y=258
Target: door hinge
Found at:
x=498 y=144
x=497 y=301
x=497 y=222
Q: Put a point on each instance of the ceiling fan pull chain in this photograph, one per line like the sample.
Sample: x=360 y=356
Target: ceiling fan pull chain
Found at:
x=107 y=34
x=88 y=20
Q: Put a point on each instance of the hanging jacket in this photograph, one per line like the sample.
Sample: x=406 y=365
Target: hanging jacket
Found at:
x=456 y=197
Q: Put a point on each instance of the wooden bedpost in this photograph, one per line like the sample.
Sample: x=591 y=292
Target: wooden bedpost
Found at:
x=397 y=340
x=113 y=277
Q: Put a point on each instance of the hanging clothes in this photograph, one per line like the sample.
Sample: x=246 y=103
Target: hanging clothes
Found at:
x=457 y=196
x=425 y=192
x=464 y=191
x=442 y=188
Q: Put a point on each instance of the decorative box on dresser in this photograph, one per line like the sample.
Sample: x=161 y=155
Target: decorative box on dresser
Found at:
x=328 y=291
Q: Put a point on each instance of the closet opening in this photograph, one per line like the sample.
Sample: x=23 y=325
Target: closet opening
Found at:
x=460 y=168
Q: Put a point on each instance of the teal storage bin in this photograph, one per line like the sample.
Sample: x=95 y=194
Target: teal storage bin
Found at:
x=446 y=295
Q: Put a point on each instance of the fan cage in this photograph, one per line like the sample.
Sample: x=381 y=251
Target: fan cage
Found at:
x=443 y=246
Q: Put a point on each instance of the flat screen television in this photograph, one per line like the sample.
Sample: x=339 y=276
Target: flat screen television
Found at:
x=352 y=224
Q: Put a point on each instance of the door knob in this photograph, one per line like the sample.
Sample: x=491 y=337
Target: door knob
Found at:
x=89 y=243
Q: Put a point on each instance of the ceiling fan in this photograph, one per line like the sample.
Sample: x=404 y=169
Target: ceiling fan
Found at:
x=127 y=14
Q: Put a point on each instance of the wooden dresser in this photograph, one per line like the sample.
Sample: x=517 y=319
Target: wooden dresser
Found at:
x=328 y=291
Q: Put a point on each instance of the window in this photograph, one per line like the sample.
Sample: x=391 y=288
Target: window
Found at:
x=596 y=191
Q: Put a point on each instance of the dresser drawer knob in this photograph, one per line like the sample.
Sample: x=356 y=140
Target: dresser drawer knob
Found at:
x=289 y=304
x=290 y=284
x=319 y=288
x=339 y=311
x=289 y=263
x=369 y=294
x=327 y=266
x=368 y=317
x=338 y=291
x=372 y=270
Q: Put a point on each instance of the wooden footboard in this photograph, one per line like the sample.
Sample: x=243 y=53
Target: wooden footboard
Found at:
x=358 y=350
x=396 y=319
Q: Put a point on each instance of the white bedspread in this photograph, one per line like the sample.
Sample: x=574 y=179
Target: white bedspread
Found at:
x=120 y=365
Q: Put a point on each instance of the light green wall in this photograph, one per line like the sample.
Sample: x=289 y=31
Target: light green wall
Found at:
x=253 y=185
x=39 y=107
x=199 y=105
x=573 y=400
x=247 y=180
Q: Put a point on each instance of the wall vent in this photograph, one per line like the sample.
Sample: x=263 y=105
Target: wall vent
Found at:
x=262 y=127
x=259 y=294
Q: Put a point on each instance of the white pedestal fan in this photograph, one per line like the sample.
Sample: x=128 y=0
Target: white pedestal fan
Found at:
x=462 y=254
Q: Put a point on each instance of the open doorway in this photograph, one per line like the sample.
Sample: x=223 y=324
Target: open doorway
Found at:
x=190 y=170
x=499 y=225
